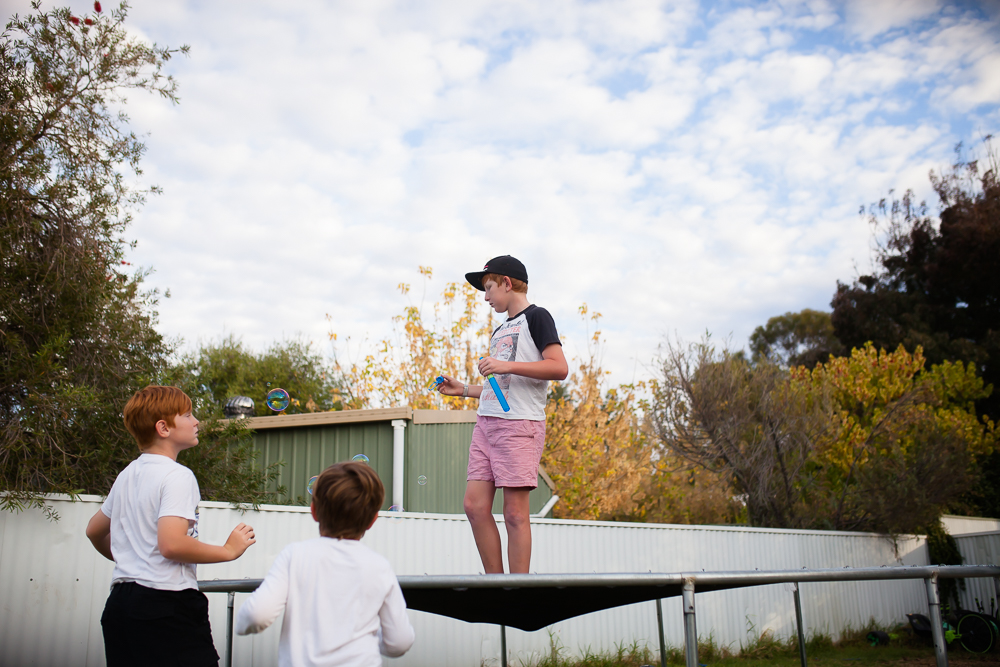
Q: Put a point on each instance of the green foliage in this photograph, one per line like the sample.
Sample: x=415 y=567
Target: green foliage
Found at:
x=764 y=646
x=225 y=464
x=796 y=339
x=944 y=551
x=759 y=649
x=904 y=442
x=869 y=442
x=743 y=422
x=77 y=331
x=624 y=655
x=937 y=287
x=983 y=498
x=218 y=371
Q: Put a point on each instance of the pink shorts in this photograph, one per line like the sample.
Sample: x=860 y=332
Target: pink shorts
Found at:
x=506 y=451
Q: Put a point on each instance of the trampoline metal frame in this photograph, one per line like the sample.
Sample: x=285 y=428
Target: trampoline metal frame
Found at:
x=688 y=583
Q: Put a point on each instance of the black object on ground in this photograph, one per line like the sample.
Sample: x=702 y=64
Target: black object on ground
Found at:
x=877 y=638
x=921 y=625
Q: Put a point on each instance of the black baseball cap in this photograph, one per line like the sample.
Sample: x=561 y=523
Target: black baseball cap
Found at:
x=504 y=265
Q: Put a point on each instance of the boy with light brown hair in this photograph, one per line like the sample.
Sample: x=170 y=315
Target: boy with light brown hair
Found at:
x=506 y=449
x=148 y=525
x=342 y=602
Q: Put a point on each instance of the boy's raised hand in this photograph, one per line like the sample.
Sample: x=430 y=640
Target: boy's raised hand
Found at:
x=240 y=540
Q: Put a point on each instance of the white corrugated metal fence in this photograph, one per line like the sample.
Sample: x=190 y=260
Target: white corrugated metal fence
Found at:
x=966 y=525
x=979 y=549
x=53 y=584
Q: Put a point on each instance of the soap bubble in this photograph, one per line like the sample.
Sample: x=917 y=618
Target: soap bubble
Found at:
x=422 y=480
x=277 y=399
x=395 y=508
x=312 y=484
x=360 y=458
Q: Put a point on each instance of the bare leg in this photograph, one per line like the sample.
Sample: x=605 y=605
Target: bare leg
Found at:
x=479 y=509
x=516 y=516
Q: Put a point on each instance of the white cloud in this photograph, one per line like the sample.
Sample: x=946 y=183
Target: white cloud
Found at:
x=678 y=166
x=870 y=18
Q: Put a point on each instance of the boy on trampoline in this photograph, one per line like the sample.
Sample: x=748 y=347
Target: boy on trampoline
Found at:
x=506 y=448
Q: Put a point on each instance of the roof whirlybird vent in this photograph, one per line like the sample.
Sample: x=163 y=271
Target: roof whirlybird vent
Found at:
x=238 y=407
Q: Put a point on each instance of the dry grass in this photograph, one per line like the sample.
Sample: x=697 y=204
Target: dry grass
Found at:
x=762 y=649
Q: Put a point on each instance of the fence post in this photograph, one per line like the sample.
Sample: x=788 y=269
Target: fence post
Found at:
x=937 y=631
x=659 y=627
x=229 y=629
x=798 y=624
x=690 y=630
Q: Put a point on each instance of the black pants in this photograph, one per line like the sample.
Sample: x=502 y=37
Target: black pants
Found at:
x=145 y=626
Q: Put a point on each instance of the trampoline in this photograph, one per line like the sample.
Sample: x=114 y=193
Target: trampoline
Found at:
x=534 y=601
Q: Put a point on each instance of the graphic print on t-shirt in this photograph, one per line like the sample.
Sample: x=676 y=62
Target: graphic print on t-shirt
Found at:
x=520 y=339
x=505 y=349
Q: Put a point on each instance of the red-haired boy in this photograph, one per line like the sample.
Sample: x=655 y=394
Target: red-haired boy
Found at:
x=506 y=448
x=148 y=526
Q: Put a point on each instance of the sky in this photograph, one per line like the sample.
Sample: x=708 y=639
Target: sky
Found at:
x=681 y=167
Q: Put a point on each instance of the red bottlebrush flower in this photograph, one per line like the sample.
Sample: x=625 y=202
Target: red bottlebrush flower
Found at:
x=74 y=20
x=97 y=7
x=88 y=21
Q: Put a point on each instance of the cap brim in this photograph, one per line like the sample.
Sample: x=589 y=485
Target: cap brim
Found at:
x=476 y=279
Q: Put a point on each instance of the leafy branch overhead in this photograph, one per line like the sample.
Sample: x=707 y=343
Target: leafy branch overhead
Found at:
x=77 y=329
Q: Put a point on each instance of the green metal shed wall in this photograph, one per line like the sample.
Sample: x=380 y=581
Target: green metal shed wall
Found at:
x=306 y=451
x=440 y=452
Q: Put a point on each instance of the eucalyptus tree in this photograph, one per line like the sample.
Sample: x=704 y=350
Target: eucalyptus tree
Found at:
x=77 y=327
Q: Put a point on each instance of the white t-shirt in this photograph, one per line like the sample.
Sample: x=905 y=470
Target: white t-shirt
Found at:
x=151 y=487
x=520 y=338
x=342 y=604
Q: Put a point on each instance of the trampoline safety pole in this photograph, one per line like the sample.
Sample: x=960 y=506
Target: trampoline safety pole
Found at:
x=798 y=624
x=503 y=646
x=937 y=631
x=229 y=629
x=659 y=628
x=690 y=631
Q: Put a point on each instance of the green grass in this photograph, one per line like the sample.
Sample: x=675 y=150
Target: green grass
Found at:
x=764 y=649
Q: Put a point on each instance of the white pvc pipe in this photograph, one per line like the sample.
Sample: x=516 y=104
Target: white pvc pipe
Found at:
x=540 y=514
x=398 y=460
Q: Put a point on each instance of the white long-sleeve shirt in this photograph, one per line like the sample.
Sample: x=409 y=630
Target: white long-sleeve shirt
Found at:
x=342 y=605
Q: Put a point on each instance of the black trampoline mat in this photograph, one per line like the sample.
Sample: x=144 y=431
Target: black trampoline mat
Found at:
x=532 y=608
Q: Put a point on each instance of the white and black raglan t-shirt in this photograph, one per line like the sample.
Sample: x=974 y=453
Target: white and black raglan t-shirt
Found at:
x=520 y=338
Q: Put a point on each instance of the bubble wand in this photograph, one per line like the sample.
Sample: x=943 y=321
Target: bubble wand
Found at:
x=496 y=390
x=439 y=380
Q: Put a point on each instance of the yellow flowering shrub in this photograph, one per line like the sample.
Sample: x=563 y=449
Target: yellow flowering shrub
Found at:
x=401 y=369
x=904 y=442
x=595 y=450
